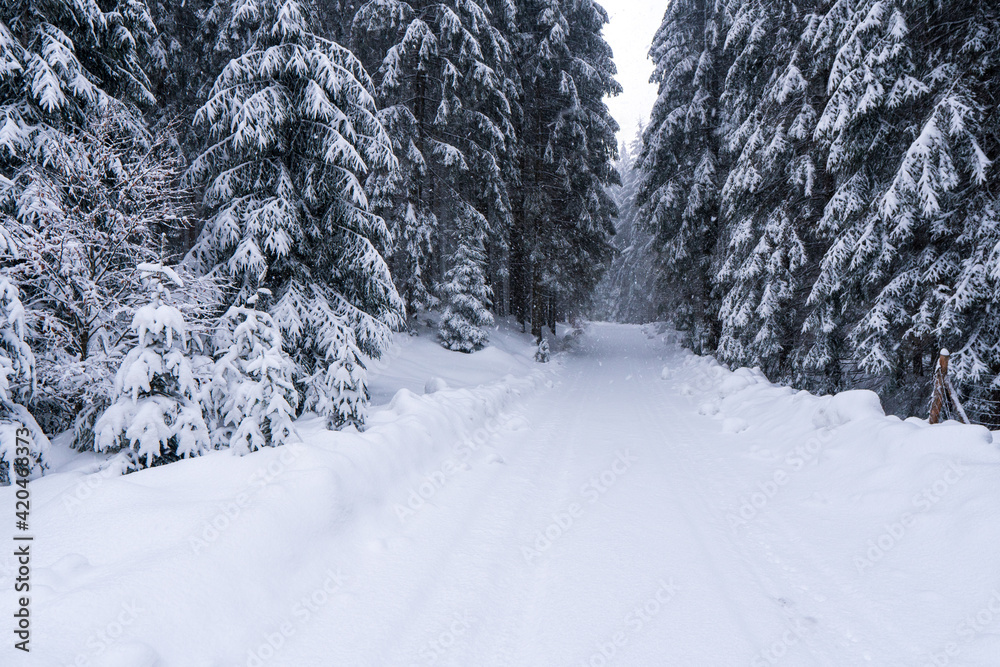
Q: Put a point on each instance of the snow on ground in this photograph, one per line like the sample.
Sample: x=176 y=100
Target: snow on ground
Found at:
x=628 y=504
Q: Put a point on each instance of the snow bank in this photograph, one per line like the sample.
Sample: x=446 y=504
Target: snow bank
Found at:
x=193 y=562
x=902 y=518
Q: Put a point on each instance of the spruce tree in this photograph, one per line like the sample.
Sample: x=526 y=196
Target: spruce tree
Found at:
x=156 y=416
x=17 y=379
x=252 y=393
x=444 y=90
x=772 y=194
x=905 y=132
x=560 y=242
x=681 y=159
x=294 y=132
x=465 y=292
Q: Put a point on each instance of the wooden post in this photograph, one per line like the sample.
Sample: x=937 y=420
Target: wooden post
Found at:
x=940 y=387
x=944 y=393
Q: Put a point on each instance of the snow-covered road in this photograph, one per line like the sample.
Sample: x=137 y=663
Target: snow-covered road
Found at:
x=612 y=533
x=599 y=536
x=632 y=505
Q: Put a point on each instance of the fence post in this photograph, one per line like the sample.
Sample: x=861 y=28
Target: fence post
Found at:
x=945 y=394
x=940 y=387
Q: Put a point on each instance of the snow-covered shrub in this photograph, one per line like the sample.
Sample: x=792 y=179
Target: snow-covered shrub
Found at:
x=252 y=394
x=155 y=415
x=542 y=354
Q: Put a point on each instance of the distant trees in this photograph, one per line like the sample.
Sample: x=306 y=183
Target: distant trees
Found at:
x=627 y=292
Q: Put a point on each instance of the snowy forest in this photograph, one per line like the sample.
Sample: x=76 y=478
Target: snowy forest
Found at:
x=347 y=333
x=814 y=189
x=215 y=211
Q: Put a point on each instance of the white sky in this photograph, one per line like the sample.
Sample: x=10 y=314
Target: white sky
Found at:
x=630 y=32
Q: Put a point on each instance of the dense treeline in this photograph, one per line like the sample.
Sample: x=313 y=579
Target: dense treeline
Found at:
x=818 y=179
x=213 y=212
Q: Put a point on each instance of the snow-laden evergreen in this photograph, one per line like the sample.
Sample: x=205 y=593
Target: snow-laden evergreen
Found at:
x=465 y=293
x=679 y=193
x=156 y=415
x=294 y=131
x=560 y=242
x=769 y=196
x=855 y=145
x=252 y=394
x=17 y=380
x=445 y=98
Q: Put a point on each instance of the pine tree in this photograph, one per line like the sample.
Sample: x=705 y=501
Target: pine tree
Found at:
x=681 y=159
x=17 y=362
x=466 y=294
x=560 y=242
x=903 y=127
x=445 y=94
x=156 y=416
x=772 y=194
x=854 y=234
x=542 y=352
x=338 y=387
x=17 y=379
x=294 y=130
x=252 y=393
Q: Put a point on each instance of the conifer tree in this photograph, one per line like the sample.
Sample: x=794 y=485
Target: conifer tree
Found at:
x=156 y=416
x=560 y=242
x=294 y=131
x=770 y=195
x=443 y=85
x=681 y=155
x=905 y=136
x=465 y=293
x=252 y=392
x=17 y=379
